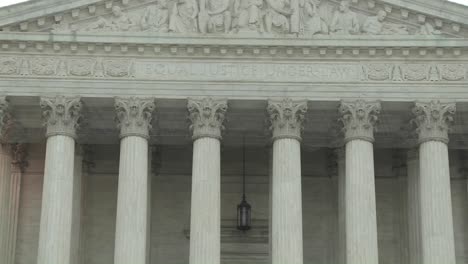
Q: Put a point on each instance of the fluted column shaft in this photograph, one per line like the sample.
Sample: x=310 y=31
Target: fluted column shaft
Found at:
x=359 y=118
x=57 y=201
x=341 y=166
x=205 y=226
x=437 y=239
x=132 y=225
x=414 y=211
x=19 y=153
x=436 y=204
x=286 y=117
x=132 y=202
x=287 y=241
x=207 y=117
x=5 y=187
x=55 y=237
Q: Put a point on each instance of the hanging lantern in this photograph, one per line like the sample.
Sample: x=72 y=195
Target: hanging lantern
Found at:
x=244 y=208
x=243 y=215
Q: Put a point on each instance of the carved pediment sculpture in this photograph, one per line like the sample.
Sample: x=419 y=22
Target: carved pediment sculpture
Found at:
x=288 y=18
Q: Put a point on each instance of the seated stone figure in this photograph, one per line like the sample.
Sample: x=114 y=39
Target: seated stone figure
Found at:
x=344 y=21
x=214 y=16
x=119 y=22
x=184 y=17
x=156 y=17
x=247 y=15
x=277 y=16
x=374 y=24
x=312 y=22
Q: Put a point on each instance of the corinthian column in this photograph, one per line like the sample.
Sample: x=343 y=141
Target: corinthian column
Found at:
x=55 y=239
x=131 y=236
x=5 y=180
x=359 y=118
x=207 y=117
x=437 y=239
x=286 y=117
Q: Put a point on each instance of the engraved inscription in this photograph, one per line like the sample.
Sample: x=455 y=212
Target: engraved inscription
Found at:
x=249 y=72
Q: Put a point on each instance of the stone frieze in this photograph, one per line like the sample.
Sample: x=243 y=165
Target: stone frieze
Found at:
x=169 y=70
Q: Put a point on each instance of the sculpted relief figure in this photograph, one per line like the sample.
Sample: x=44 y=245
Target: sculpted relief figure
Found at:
x=312 y=21
x=119 y=22
x=344 y=21
x=156 y=17
x=214 y=16
x=428 y=29
x=248 y=15
x=374 y=25
x=277 y=16
x=184 y=17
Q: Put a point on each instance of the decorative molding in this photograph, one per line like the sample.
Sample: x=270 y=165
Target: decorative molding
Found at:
x=134 y=116
x=286 y=117
x=433 y=120
x=359 y=119
x=62 y=115
x=207 y=116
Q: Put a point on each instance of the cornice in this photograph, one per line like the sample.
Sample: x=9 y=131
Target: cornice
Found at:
x=128 y=38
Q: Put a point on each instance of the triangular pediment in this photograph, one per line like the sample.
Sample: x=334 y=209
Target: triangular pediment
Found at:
x=256 y=18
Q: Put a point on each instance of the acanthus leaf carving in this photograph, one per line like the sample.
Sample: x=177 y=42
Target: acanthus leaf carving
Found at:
x=433 y=120
x=286 y=118
x=207 y=116
x=359 y=119
x=62 y=115
x=134 y=116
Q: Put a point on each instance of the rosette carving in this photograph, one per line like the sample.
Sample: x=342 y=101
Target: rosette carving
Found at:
x=433 y=120
x=287 y=118
x=359 y=119
x=207 y=116
x=134 y=116
x=61 y=114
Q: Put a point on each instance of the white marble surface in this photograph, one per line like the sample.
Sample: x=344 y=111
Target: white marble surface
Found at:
x=205 y=229
x=287 y=241
x=55 y=238
x=361 y=214
x=131 y=234
x=437 y=234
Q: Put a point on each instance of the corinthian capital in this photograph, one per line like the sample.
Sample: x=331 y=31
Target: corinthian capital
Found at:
x=134 y=116
x=207 y=116
x=433 y=120
x=5 y=118
x=61 y=114
x=287 y=118
x=359 y=119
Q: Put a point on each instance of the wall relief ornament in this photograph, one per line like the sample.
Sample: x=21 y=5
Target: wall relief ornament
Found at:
x=19 y=153
x=61 y=114
x=134 y=116
x=286 y=117
x=207 y=116
x=359 y=119
x=433 y=120
x=300 y=18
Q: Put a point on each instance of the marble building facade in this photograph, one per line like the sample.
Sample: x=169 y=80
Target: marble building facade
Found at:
x=122 y=125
